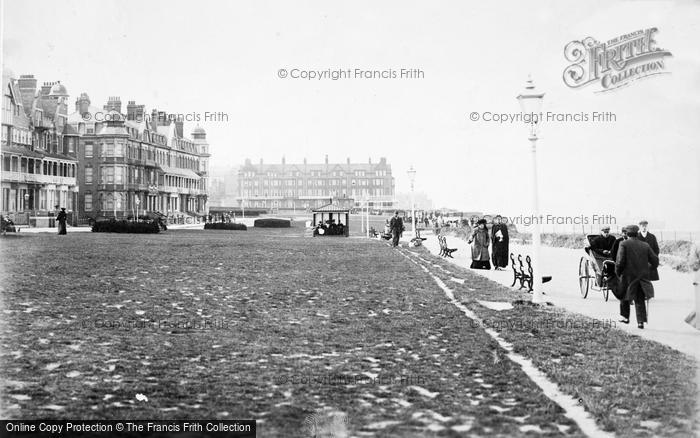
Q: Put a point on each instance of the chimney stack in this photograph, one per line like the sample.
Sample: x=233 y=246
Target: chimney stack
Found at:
x=135 y=112
x=27 y=87
x=82 y=104
x=114 y=103
x=46 y=88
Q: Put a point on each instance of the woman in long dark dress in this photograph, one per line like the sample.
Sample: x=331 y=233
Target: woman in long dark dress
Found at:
x=499 y=243
x=61 y=218
x=480 y=246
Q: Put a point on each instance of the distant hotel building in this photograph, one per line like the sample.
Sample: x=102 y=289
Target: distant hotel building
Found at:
x=305 y=186
x=95 y=162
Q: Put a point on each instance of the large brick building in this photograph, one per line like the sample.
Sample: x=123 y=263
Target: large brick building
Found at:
x=305 y=186
x=39 y=162
x=135 y=163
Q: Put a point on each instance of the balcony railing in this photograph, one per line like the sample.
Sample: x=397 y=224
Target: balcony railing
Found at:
x=37 y=178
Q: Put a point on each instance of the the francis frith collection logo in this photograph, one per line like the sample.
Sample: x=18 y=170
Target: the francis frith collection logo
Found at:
x=616 y=62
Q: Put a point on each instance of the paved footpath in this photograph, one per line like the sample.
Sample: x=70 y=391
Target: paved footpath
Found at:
x=673 y=302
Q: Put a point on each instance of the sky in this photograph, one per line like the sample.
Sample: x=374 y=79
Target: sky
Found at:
x=225 y=57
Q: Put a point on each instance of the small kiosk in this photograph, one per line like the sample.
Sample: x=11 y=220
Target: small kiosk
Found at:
x=331 y=220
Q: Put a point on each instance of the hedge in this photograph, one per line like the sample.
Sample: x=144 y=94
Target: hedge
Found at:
x=272 y=223
x=224 y=226
x=123 y=226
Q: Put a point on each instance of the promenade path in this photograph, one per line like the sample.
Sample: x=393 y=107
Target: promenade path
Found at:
x=673 y=302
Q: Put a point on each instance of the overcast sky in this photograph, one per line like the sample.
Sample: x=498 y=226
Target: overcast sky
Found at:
x=192 y=57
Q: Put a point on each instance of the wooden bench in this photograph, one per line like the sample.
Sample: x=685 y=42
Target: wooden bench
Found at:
x=418 y=241
x=522 y=272
x=444 y=250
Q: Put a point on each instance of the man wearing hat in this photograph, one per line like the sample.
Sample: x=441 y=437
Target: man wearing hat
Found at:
x=633 y=264
x=616 y=245
x=646 y=236
x=602 y=244
x=396 y=227
x=602 y=247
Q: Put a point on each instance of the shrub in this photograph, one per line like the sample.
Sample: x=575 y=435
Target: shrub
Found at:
x=272 y=223
x=224 y=226
x=123 y=226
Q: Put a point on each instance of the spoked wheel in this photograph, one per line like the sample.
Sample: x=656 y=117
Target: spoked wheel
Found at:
x=583 y=278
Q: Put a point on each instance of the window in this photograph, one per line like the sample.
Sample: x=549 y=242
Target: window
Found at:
x=88 y=175
x=88 y=202
x=88 y=150
x=112 y=174
x=113 y=149
x=42 y=199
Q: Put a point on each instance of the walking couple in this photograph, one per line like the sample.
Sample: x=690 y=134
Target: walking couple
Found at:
x=480 y=241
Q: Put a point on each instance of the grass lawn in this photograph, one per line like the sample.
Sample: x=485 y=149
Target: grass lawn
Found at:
x=268 y=325
x=630 y=385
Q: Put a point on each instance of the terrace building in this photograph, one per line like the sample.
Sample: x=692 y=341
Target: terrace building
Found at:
x=134 y=164
x=39 y=164
x=306 y=186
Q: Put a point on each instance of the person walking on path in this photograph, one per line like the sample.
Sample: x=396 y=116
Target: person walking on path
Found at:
x=499 y=243
x=61 y=218
x=646 y=236
x=397 y=228
x=479 y=240
x=635 y=259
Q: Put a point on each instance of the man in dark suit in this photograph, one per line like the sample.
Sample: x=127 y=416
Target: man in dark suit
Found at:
x=602 y=245
x=609 y=265
x=634 y=261
x=646 y=236
x=616 y=245
x=396 y=227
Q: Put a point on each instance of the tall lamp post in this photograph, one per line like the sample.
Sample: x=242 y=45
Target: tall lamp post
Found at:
x=531 y=103
x=412 y=177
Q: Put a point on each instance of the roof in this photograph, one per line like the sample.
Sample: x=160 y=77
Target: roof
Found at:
x=58 y=89
x=331 y=208
x=330 y=167
x=93 y=113
x=19 y=150
x=113 y=128
x=187 y=173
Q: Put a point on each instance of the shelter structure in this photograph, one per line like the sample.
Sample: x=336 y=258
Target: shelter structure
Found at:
x=331 y=220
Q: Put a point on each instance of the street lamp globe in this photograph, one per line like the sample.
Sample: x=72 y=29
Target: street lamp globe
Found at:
x=412 y=175
x=530 y=98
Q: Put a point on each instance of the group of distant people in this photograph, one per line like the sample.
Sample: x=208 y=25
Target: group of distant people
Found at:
x=629 y=263
x=498 y=239
x=329 y=228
